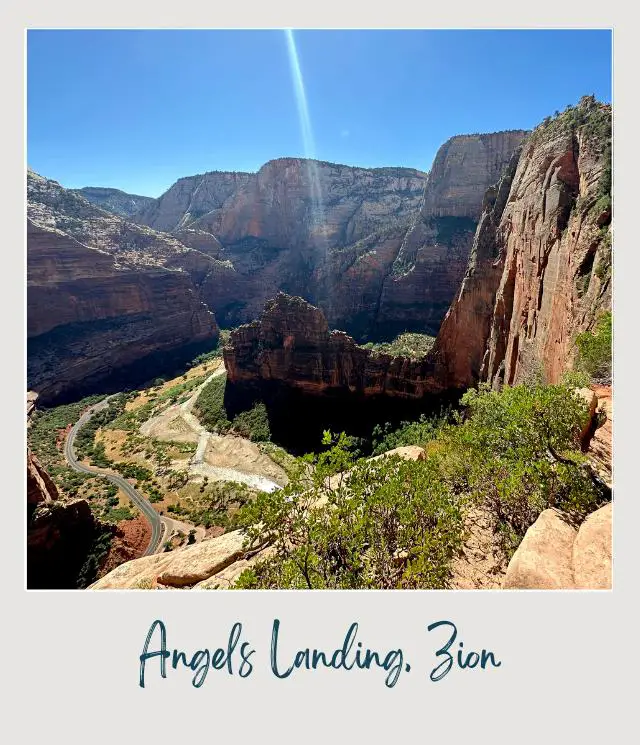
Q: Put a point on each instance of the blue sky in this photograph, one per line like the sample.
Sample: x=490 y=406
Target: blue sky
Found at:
x=137 y=110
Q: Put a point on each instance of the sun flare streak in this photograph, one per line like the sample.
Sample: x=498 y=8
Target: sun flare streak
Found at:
x=301 y=96
x=307 y=134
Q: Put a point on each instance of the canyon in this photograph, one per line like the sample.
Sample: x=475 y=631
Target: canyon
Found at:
x=539 y=273
x=128 y=282
x=502 y=252
x=380 y=250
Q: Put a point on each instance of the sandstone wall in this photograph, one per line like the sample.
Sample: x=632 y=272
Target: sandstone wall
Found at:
x=104 y=296
x=540 y=270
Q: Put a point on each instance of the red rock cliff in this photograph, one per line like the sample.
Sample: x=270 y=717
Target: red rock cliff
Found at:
x=103 y=294
x=539 y=273
x=540 y=270
x=380 y=250
x=291 y=344
x=280 y=226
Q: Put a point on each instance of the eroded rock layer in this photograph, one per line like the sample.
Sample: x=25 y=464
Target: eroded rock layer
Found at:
x=105 y=301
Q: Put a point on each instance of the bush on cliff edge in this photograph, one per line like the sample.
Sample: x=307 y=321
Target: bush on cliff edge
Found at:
x=594 y=350
x=390 y=523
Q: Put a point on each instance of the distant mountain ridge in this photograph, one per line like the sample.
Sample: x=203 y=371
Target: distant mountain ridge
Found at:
x=114 y=200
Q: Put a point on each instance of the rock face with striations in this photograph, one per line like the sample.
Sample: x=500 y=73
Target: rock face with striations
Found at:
x=380 y=250
x=291 y=344
x=433 y=256
x=40 y=486
x=540 y=269
x=60 y=536
x=404 y=277
x=103 y=297
x=194 y=201
x=539 y=273
x=282 y=226
x=554 y=555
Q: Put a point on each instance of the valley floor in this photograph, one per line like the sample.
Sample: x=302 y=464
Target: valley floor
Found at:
x=186 y=460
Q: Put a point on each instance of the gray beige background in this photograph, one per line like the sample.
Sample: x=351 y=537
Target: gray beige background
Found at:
x=568 y=658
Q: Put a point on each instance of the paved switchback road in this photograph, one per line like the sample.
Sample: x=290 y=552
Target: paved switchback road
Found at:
x=158 y=524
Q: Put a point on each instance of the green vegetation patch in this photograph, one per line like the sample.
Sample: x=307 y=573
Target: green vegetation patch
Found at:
x=411 y=345
x=210 y=410
x=388 y=523
x=279 y=455
x=48 y=428
x=418 y=432
x=595 y=350
x=212 y=504
x=84 y=442
x=209 y=407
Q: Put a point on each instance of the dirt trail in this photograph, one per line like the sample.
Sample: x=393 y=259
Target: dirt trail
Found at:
x=218 y=457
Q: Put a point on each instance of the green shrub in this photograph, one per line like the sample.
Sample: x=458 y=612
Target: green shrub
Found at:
x=595 y=348
x=253 y=423
x=132 y=470
x=115 y=515
x=214 y=504
x=410 y=345
x=210 y=410
x=520 y=454
x=388 y=523
x=408 y=433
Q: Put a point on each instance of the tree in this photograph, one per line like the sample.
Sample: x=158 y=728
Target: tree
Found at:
x=342 y=523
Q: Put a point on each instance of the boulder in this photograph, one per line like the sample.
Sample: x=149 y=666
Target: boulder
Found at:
x=592 y=551
x=407 y=452
x=202 y=560
x=180 y=568
x=543 y=560
x=228 y=577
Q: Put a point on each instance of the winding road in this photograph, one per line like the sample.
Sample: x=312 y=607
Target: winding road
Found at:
x=158 y=524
